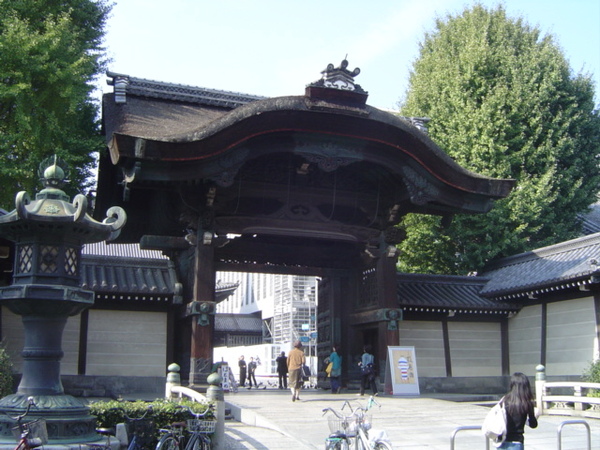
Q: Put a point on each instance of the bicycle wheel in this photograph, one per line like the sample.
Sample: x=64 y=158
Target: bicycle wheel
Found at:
x=198 y=442
x=167 y=442
x=383 y=445
x=337 y=444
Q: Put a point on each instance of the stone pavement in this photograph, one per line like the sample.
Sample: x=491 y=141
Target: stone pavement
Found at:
x=268 y=419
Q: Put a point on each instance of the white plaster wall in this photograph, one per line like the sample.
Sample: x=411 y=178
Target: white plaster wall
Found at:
x=525 y=340
x=127 y=343
x=570 y=336
x=428 y=340
x=475 y=349
x=13 y=335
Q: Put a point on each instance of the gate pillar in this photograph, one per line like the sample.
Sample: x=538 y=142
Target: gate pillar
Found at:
x=389 y=334
x=202 y=310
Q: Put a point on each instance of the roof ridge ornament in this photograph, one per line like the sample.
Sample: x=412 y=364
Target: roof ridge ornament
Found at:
x=337 y=85
x=120 y=82
x=340 y=77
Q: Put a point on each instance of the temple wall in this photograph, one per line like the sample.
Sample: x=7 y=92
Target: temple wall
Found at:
x=475 y=349
x=127 y=343
x=428 y=341
x=571 y=330
x=13 y=337
x=525 y=339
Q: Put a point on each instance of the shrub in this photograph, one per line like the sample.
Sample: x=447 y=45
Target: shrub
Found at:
x=163 y=413
x=592 y=375
x=6 y=373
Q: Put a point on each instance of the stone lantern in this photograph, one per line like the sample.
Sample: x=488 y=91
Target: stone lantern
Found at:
x=49 y=233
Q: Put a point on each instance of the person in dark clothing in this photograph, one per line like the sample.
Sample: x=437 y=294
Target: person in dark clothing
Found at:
x=519 y=407
x=282 y=370
x=367 y=368
x=251 y=377
x=242 y=365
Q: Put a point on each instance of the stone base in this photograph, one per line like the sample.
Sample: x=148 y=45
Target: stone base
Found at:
x=67 y=418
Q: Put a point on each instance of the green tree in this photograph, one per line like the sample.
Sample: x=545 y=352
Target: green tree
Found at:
x=503 y=102
x=50 y=53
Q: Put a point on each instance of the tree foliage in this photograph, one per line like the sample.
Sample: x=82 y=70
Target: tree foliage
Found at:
x=503 y=102
x=50 y=52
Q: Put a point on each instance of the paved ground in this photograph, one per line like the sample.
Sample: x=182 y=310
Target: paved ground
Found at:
x=268 y=419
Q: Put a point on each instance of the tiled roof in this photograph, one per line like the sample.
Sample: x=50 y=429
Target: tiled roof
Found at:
x=127 y=279
x=177 y=92
x=445 y=293
x=126 y=272
x=121 y=251
x=559 y=266
x=238 y=323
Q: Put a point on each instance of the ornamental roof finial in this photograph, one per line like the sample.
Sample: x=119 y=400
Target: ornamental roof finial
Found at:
x=340 y=77
x=337 y=85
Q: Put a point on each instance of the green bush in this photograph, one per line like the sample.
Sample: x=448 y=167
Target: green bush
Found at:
x=6 y=373
x=592 y=375
x=163 y=413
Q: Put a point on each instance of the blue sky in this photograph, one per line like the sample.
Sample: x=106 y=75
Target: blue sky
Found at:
x=276 y=47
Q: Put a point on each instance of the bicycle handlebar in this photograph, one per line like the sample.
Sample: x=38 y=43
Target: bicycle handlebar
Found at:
x=198 y=415
x=337 y=414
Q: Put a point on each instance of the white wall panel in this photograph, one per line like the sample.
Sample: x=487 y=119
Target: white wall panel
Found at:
x=129 y=343
x=428 y=340
x=475 y=349
x=525 y=340
x=570 y=336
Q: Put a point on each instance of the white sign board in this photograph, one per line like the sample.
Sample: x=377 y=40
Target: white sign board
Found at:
x=402 y=371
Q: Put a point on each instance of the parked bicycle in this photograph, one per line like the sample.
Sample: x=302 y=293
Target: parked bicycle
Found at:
x=196 y=438
x=30 y=434
x=352 y=431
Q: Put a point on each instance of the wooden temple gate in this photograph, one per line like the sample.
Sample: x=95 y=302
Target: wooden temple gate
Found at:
x=314 y=185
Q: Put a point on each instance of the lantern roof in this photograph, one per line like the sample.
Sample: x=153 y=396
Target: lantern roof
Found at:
x=53 y=216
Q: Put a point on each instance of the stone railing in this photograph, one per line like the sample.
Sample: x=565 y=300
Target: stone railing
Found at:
x=566 y=398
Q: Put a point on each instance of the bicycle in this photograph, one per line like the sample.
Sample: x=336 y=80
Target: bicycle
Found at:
x=140 y=431
x=353 y=431
x=174 y=437
x=31 y=434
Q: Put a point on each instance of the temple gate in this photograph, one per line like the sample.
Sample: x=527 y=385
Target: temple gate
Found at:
x=313 y=185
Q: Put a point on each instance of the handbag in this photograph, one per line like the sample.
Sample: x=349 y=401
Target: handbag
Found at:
x=328 y=369
x=494 y=424
x=305 y=372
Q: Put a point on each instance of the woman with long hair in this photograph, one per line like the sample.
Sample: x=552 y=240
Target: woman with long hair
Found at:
x=519 y=406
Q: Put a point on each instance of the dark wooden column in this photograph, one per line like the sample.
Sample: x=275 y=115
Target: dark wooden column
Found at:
x=203 y=323
x=388 y=298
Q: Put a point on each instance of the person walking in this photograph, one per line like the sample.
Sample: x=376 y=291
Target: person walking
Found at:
x=251 y=371
x=519 y=406
x=242 y=366
x=336 y=370
x=367 y=367
x=282 y=370
x=295 y=361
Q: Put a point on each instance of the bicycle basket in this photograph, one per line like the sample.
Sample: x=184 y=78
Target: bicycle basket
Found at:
x=346 y=425
x=202 y=426
x=37 y=430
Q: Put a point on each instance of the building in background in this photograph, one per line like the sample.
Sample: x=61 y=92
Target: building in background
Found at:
x=287 y=307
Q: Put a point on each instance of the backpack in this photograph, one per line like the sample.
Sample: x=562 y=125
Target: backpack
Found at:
x=494 y=424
